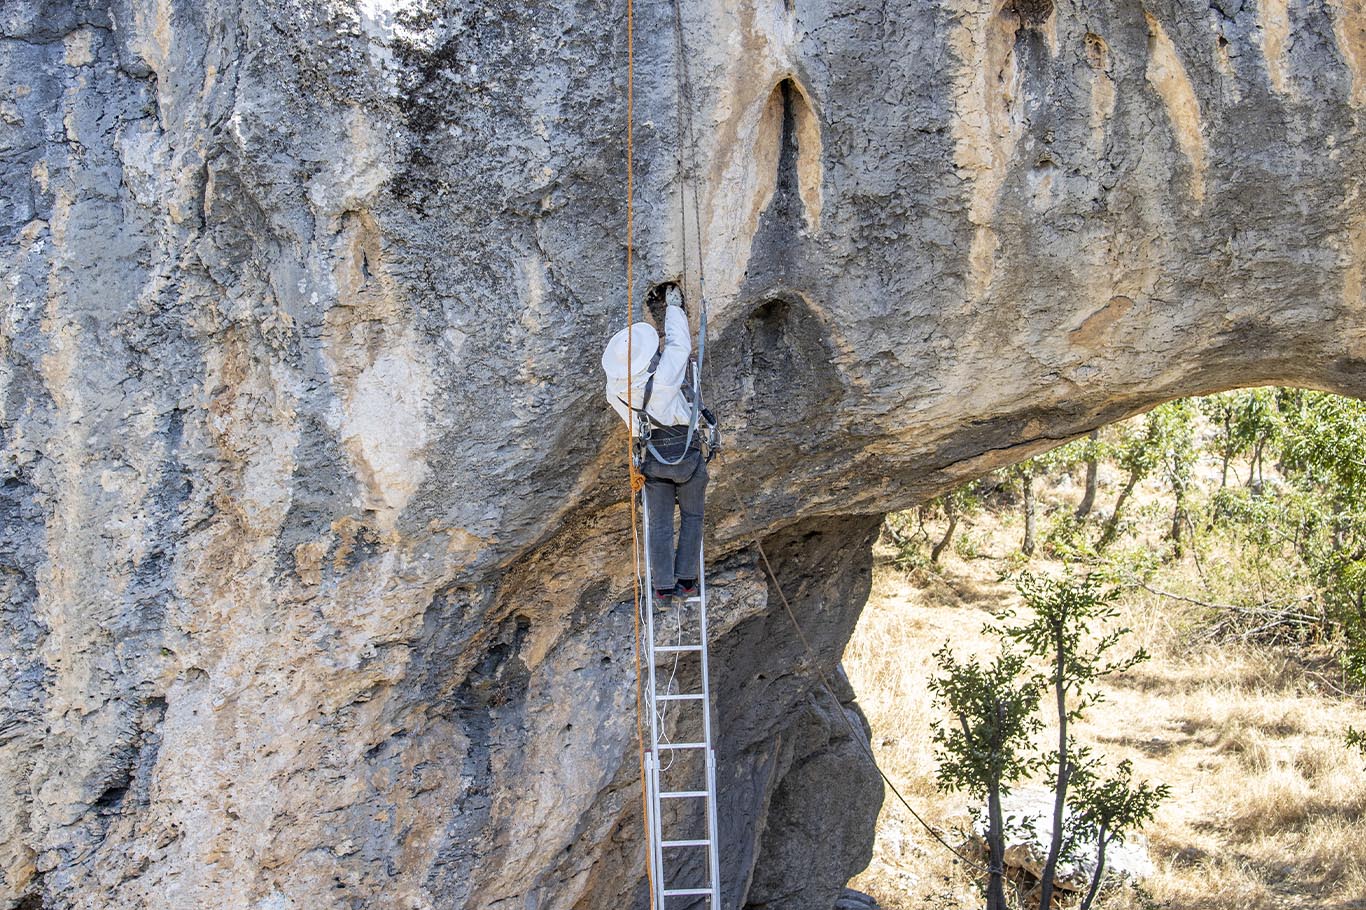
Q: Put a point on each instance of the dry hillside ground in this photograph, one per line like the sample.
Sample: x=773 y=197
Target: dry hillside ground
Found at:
x=1267 y=805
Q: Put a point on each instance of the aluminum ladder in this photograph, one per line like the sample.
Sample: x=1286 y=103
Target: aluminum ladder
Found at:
x=680 y=774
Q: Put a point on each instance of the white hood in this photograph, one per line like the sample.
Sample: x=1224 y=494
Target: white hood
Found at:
x=644 y=345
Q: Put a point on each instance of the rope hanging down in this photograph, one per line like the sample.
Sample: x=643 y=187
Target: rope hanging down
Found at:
x=858 y=735
x=636 y=480
x=687 y=173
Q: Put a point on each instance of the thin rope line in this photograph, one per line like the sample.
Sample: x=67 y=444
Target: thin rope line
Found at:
x=689 y=141
x=630 y=453
x=825 y=682
x=683 y=133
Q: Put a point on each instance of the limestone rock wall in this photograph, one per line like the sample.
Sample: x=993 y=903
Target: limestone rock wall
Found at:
x=314 y=581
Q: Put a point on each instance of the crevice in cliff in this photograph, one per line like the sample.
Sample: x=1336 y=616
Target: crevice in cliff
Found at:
x=788 y=153
x=488 y=700
x=33 y=900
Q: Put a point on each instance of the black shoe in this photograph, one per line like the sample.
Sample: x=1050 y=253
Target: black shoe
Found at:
x=663 y=599
x=686 y=588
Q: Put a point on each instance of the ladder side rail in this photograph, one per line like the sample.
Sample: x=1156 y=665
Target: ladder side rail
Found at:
x=652 y=827
x=655 y=824
x=713 y=854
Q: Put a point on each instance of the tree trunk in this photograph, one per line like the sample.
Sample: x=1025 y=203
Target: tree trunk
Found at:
x=1228 y=442
x=996 y=894
x=1050 y=865
x=1027 y=481
x=1088 y=499
x=948 y=533
x=1112 y=524
x=1178 y=519
x=1100 y=872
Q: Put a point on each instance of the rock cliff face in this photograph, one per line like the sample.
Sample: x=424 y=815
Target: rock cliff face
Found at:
x=314 y=566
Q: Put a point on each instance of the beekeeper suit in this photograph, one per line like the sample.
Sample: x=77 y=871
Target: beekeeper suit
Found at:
x=656 y=383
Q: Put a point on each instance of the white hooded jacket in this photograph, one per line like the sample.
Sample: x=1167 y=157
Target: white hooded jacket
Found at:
x=668 y=405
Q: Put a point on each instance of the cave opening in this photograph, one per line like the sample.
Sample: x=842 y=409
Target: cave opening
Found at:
x=1204 y=546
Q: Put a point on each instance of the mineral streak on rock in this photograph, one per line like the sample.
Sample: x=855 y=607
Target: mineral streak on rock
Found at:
x=1168 y=76
x=314 y=575
x=1349 y=29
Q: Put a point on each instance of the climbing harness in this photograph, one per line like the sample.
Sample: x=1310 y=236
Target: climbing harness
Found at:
x=700 y=417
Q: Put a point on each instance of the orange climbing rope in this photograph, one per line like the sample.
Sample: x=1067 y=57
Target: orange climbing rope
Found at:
x=637 y=480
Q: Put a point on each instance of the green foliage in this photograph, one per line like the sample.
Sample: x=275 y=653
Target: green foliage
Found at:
x=1161 y=443
x=1357 y=740
x=1065 y=614
x=987 y=744
x=1245 y=422
x=1065 y=631
x=1288 y=538
x=906 y=533
x=1324 y=458
x=1112 y=807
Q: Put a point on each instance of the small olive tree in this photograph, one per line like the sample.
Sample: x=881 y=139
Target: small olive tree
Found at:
x=1110 y=807
x=1061 y=631
x=985 y=746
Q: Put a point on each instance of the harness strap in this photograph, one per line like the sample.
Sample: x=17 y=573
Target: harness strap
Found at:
x=700 y=415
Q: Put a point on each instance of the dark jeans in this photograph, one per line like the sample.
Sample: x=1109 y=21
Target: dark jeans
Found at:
x=684 y=483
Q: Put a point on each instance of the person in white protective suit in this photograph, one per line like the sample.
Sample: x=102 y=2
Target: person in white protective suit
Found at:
x=675 y=472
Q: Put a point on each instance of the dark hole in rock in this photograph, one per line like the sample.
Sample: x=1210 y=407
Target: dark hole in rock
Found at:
x=655 y=302
x=108 y=802
x=1033 y=12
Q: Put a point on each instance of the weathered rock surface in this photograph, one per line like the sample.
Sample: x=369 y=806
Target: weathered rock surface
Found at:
x=855 y=900
x=315 y=585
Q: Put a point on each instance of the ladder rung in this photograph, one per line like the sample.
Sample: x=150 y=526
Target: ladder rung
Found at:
x=682 y=745
x=687 y=696
x=682 y=892
x=685 y=843
x=693 y=600
x=672 y=648
x=683 y=794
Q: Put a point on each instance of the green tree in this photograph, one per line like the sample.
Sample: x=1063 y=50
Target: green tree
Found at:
x=1112 y=807
x=1323 y=454
x=1221 y=412
x=1178 y=460
x=1256 y=427
x=1061 y=631
x=955 y=505
x=1089 y=450
x=985 y=746
x=1145 y=448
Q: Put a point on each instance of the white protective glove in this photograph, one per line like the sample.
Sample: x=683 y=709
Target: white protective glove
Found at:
x=674 y=296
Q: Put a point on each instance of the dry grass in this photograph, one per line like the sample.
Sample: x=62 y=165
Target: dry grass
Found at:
x=1268 y=805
